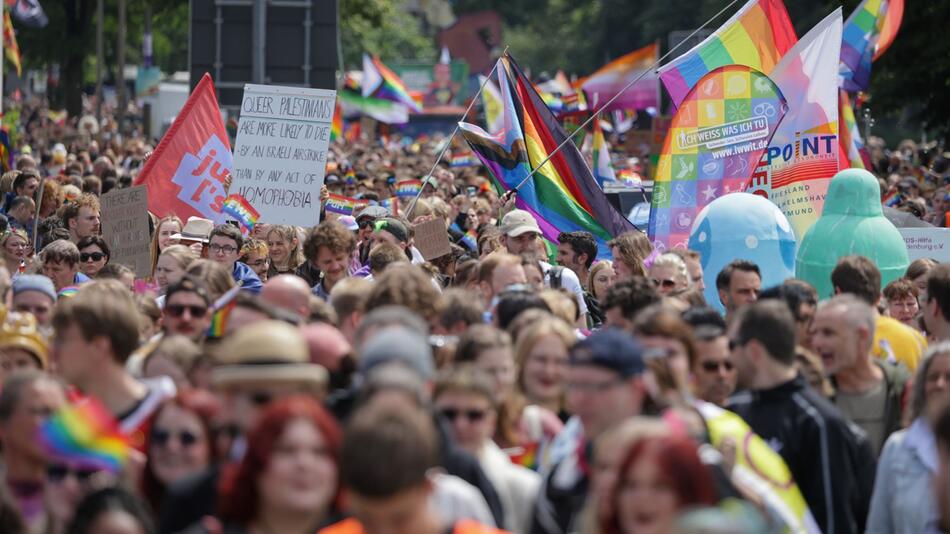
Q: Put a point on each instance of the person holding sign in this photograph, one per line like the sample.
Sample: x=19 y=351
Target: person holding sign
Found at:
x=224 y=247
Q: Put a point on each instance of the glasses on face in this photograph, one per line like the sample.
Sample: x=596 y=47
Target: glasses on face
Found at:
x=665 y=283
x=473 y=416
x=178 y=310
x=160 y=438
x=366 y=223
x=57 y=473
x=713 y=367
x=225 y=249
x=94 y=256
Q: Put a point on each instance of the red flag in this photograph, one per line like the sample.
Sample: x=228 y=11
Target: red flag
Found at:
x=185 y=175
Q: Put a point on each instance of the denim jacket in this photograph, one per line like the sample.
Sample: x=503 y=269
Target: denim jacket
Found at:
x=903 y=500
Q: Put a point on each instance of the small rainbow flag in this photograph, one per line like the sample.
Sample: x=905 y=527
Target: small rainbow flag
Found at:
x=238 y=207
x=391 y=204
x=464 y=160
x=222 y=312
x=340 y=204
x=349 y=177
x=757 y=36
x=382 y=83
x=85 y=433
x=6 y=151
x=336 y=127
x=408 y=188
x=66 y=292
x=470 y=240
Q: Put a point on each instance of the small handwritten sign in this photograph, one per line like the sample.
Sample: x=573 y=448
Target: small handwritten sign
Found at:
x=280 y=154
x=432 y=239
x=125 y=228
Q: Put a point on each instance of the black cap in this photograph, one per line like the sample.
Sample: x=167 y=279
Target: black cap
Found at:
x=612 y=349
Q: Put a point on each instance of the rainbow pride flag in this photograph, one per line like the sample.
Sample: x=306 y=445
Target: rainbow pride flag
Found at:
x=10 y=46
x=603 y=169
x=867 y=33
x=336 y=127
x=6 y=151
x=850 y=138
x=408 y=188
x=607 y=81
x=382 y=83
x=385 y=111
x=464 y=160
x=238 y=207
x=222 y=312
x=340 y=204
x=563 y=195
x=85 y=434
x=757 y=36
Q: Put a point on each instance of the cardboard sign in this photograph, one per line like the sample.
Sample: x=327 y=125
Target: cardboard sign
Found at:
x=280 y=154
x=124 y=215
x=927 y=243
x=432 y=239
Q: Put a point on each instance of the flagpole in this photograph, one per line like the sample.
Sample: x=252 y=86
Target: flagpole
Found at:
x=448 y=142
x=616 y=96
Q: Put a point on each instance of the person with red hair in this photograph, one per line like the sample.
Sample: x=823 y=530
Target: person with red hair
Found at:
x=658 y=479
x=289 y=479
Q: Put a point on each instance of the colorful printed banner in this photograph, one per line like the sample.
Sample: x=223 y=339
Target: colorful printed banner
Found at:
x=718 y=137
x=610 y=79
x=340 y=204
x=562 y=195
x=464 y=160
x=185 y=175
x=381 y=83
x=867 y=33
x=757 y=36
x=408 y=188
x=804 y=153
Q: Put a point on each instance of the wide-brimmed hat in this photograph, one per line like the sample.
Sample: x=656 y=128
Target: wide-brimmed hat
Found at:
x=196 y=229
x=267 y=352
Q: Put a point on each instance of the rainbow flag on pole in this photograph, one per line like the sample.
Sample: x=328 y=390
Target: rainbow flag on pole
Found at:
x=222 y=312
x=408 y=188
x=336 y=127
x=238 y=207
x=87 y=435
x=563 y=195
x=604 y=84
x=867 y=33
x=10 y=46
x=757 y=36
x=850 y=137
x=382 y=83
x=339 y=204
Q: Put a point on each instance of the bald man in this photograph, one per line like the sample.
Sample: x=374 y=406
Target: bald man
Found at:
x=288 y=292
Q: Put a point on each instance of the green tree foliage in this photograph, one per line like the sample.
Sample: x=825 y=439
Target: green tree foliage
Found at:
x=381 y=27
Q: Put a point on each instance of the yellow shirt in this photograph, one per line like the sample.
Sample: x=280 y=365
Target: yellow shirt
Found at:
x=896 y=342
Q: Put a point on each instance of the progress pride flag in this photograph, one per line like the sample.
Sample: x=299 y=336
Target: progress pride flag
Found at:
x=185 y=175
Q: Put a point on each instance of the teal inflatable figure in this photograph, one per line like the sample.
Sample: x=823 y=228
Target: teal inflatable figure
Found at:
x=852 y=223
x=743 y=226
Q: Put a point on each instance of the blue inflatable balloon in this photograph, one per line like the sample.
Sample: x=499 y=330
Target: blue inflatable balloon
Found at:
x=743 y=226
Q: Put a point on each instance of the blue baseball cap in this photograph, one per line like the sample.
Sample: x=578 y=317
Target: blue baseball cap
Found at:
x=612 y=349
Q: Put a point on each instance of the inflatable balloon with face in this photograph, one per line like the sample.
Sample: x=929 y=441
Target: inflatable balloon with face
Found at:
x=747 y=227
x=852 y=222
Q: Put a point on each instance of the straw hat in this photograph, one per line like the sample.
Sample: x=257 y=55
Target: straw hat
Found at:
x=267 y=352
x=196 y=229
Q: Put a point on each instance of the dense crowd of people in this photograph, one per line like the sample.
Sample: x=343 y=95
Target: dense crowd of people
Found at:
x=350 y=385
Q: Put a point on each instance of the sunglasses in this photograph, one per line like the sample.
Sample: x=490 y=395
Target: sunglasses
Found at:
x=57 y=473
x=664 y=283
x=713 y=367
x=94 y=256
x=178 y=310
x=160 y=438
x=366 y=223
x=473 y=416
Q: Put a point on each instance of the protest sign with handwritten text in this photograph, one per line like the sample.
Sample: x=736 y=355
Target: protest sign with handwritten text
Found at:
x=281 y=151
x=125 y=228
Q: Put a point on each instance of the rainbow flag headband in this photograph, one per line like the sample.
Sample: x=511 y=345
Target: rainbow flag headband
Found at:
x=85 y=434
x=238 y=207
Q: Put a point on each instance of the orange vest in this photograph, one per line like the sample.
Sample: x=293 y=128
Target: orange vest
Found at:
x=352 y=526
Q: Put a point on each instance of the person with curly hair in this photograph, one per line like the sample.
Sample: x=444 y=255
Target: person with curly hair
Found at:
x=329 y=247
